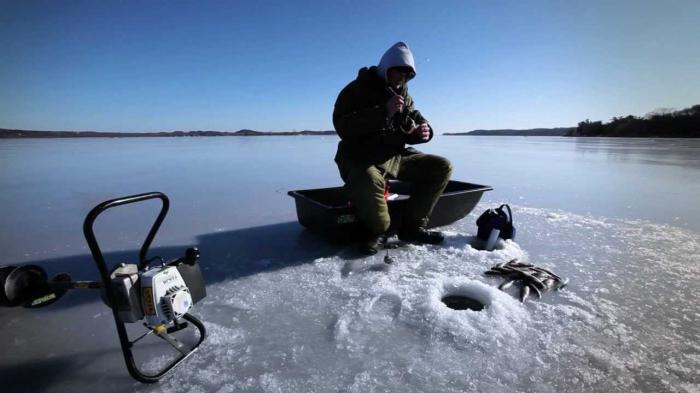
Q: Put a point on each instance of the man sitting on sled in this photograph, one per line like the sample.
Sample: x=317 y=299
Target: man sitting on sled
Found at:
x=375 y=118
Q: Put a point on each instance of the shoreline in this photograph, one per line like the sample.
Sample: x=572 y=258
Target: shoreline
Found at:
x=30 y=134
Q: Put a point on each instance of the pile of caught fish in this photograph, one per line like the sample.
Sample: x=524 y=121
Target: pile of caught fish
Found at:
x=529 y=277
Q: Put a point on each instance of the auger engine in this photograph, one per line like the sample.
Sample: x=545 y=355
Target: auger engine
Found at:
x=159 y=293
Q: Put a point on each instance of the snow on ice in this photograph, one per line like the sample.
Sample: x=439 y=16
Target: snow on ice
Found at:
x=627 y=322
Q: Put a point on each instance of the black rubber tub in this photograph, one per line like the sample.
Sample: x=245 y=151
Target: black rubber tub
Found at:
x=327 y=211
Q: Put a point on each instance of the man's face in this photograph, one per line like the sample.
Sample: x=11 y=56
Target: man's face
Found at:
x=398 y=76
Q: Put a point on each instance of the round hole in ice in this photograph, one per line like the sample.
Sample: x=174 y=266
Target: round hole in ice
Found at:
x=462 y=302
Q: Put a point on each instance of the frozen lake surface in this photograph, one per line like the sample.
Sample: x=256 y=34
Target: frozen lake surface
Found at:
x=288 y=312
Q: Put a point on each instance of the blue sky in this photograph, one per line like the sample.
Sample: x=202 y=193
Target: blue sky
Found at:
x=226 y=65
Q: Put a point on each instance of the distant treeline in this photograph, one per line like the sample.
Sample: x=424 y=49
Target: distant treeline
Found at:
x=684 y=123
x=5 y=133
x=561 y=131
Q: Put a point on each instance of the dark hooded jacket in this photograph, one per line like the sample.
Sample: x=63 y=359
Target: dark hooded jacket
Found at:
x=368 y=136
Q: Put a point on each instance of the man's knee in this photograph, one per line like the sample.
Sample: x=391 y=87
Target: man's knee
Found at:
x=367 y=179
x=444 y=165
x=438 y=166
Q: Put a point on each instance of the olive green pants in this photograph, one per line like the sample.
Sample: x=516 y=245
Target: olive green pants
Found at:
x=428 y=175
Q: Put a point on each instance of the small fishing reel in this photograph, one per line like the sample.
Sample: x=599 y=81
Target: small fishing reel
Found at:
x=160 y=293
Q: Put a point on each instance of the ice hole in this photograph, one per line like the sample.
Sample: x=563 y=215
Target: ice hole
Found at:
x=462 y=302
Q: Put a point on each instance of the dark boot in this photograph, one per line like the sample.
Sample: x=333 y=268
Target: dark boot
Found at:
x=421 y=235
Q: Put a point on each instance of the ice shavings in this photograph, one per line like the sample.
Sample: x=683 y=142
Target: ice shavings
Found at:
x=501 y=319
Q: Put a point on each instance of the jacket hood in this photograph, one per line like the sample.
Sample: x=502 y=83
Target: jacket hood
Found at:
x=397 y=56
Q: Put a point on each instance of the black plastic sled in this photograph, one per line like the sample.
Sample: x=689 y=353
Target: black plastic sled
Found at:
x=328 y=212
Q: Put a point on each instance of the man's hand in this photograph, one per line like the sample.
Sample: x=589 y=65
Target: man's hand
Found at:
x=394 y=105
x=423 y=130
